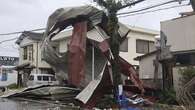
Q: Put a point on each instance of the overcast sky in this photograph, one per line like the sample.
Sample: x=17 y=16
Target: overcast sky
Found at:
x=20 y=15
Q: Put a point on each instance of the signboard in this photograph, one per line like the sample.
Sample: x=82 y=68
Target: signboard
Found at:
x=8 y=61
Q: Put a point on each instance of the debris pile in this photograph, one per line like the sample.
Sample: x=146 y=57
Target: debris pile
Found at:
x=73 y=66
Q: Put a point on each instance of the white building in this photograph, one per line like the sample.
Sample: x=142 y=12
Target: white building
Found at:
x=30 y=52
x=139 y=41
x=180 y=37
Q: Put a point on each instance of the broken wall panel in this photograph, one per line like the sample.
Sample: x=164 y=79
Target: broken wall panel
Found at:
x=76 y=54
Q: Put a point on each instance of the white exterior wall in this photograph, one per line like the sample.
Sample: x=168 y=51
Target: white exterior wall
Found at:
x=143 y=34
x=131 y=54
x=41 y=63
x=63 y=45
x=128 y=56
x=36 y=54
x=25 y=42
x=146 y=70
x=11 y=79
x=180 y=33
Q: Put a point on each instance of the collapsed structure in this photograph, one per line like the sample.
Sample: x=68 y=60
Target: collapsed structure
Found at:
x=72 y=65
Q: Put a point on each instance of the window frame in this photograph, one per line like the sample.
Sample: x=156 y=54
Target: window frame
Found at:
x=30 y=52
x=148 y=42
x=25 y=53
x=43 y=78
x=124 y=46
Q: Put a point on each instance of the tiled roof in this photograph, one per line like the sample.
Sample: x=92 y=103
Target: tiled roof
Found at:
x=30 y=35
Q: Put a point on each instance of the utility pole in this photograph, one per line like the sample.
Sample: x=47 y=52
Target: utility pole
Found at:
x=112 y=27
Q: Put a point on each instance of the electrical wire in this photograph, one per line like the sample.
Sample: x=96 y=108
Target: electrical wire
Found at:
x=150 y=7
x=160 y=9
x=119 y=15
x=11 y=33
x=7 y=40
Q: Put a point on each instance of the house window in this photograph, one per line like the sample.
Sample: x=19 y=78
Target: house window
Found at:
x=124 y=46
x=185 y=59
x=144 y=46
x=46 y=71
x=25 y=53
x=28 y=52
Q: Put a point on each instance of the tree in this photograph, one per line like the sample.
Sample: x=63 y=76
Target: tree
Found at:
x=193 y=4
x=112 y=7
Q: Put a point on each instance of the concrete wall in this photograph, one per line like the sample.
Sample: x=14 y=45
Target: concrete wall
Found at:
x=131 y=54
x=180 y=33
x=176 y=78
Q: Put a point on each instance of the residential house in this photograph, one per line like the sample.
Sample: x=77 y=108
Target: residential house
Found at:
x=30 y=55
x=138 y=42
x=179 y=36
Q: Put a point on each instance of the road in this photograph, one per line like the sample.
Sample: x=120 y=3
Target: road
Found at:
x=26 y=104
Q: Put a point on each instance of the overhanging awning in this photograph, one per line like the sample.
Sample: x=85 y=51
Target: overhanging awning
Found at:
x=24 y=66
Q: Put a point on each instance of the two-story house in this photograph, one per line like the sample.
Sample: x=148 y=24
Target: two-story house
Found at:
x=179 y=35
x=181 y=38
x=30 y=54
x=138 y=42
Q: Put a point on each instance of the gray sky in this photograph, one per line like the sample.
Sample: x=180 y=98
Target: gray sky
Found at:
x=20 y=15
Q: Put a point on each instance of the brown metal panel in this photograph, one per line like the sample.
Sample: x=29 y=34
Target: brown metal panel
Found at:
x=76 y=54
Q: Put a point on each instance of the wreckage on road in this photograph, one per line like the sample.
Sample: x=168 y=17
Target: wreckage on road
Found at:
x=75 y=65
x=92 y=77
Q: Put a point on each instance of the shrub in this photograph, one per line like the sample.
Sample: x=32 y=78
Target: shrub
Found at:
x=168 y=97
x=187 y=74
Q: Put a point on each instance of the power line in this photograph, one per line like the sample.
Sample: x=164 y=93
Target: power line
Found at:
x=154 y=10
x=18 y=32
x=130 y=4
x=150 y=7
x=143 y=9
x=11 y=33
x=7 y=40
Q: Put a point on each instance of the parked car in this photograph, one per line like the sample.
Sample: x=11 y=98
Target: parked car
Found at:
x=42 y=79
